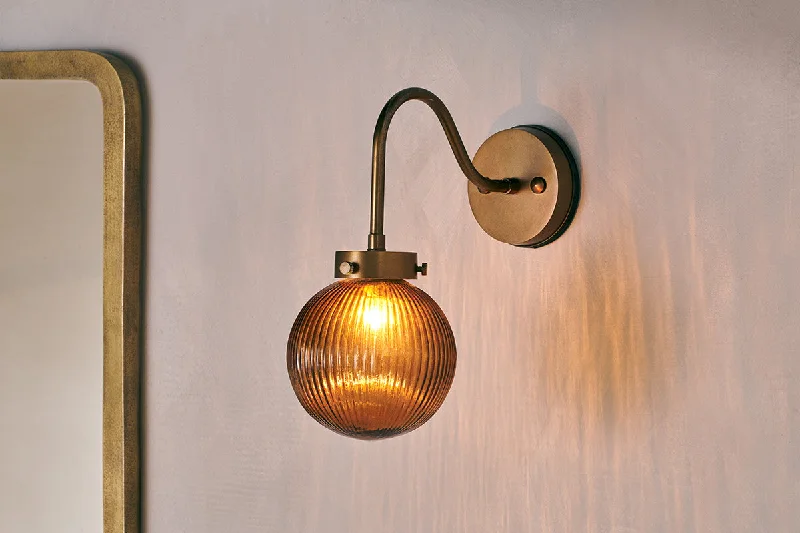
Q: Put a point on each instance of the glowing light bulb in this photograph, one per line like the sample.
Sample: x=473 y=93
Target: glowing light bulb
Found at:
x=371 y=358
x=376 y=313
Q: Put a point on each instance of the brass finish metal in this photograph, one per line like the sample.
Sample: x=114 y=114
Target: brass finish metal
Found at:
x=538 y=185
x=378 y=264
x=530 y=165
x=527 y=218
x=346 y=267
x=505 y=184
x=121 y=262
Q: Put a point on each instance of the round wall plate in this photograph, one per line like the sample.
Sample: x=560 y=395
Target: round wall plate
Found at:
x=526 y=218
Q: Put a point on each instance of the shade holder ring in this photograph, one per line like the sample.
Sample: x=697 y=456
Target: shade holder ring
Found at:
x=377 y=264
x=537 y=213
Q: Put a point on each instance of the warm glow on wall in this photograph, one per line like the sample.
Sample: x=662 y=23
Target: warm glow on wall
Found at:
x=372 y=356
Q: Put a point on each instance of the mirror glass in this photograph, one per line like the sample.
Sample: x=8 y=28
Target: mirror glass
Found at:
x=51 y=306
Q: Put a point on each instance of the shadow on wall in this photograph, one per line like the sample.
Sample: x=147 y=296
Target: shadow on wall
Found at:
x=602 y=329
x=605 y=333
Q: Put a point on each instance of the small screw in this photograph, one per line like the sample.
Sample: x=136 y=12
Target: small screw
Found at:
x=422 y=269
x=538 y=185
x=346 y=267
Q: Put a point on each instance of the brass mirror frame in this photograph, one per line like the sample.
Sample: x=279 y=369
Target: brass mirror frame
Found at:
x=122 y=140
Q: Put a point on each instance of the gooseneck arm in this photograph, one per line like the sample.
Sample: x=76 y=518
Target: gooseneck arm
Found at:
x=377 y=241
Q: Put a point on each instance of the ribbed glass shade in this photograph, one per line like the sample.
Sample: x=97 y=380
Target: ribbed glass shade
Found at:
x=370 y=358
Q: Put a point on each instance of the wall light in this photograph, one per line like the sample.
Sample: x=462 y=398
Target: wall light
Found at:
x=372 y=356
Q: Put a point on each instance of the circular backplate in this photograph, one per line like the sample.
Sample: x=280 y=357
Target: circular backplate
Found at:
x=526 y=218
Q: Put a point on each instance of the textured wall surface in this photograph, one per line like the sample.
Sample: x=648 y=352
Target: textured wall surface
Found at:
x=638 y=375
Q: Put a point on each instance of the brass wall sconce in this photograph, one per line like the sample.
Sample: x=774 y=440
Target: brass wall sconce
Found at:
x=372 y=356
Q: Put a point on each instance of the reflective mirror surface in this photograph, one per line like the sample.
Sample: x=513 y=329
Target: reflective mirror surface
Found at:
x=51 y=306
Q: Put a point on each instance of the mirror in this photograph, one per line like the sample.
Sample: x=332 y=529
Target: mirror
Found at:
x=69 y=293
x=51 y=305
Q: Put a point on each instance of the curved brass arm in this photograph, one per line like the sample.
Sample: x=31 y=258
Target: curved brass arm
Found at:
x=484 y=184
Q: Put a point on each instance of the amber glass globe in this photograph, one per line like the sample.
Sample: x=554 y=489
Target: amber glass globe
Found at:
x=371 y=358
